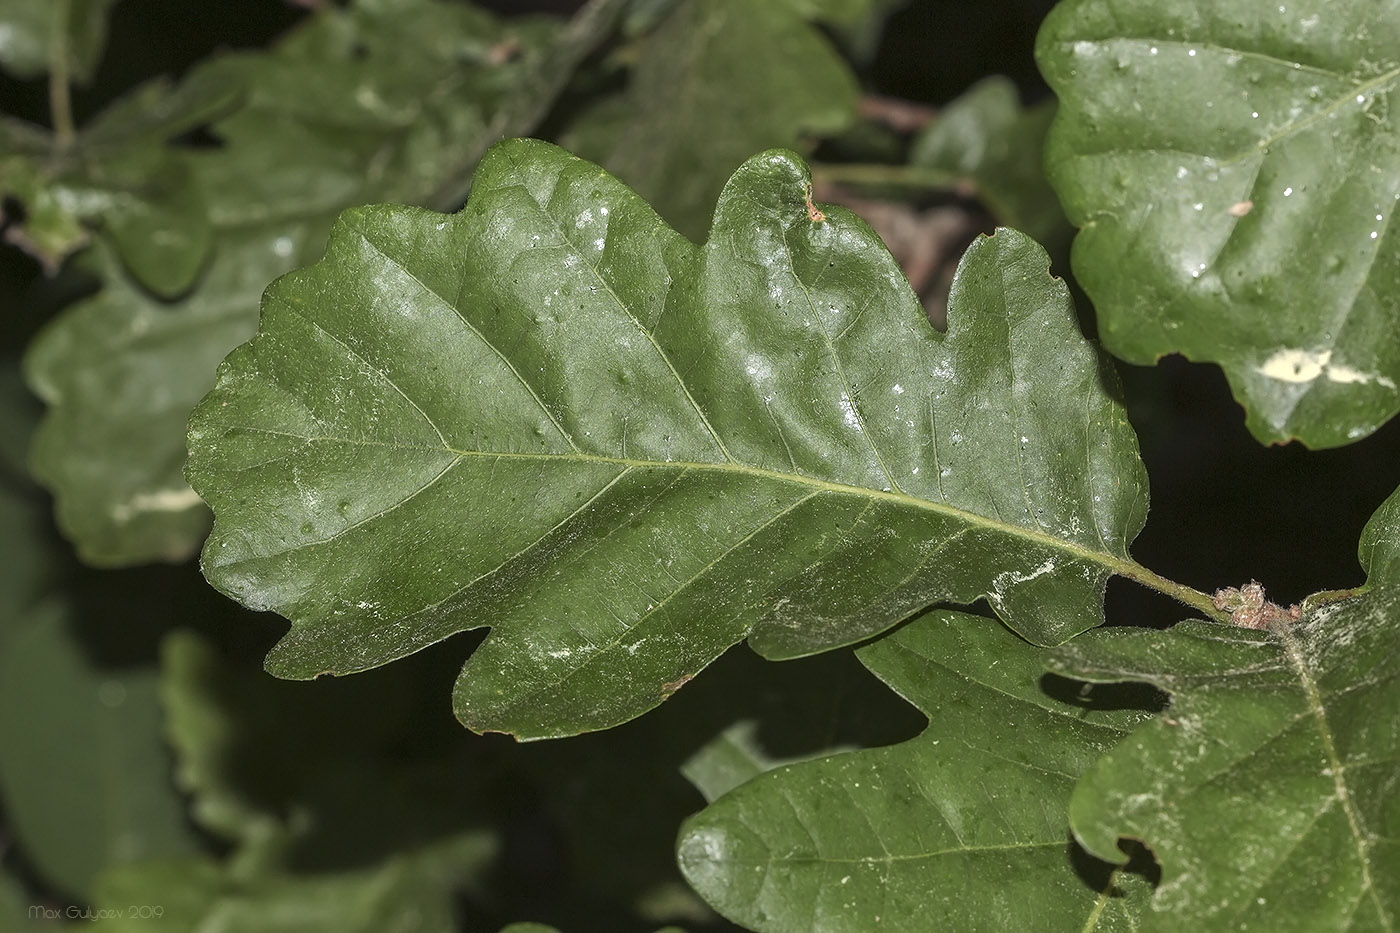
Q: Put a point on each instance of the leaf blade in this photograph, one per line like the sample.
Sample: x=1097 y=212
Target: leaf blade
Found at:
x=1284 y=741
x=884 y=837
x=611 y=464
x=1232 y=172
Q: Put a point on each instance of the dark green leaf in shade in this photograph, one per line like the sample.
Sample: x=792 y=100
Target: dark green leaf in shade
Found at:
x=1234 y=167
x=27 y=572
x=618 y=796
x=406 y=893
x=282 y=771
x=1268 y=790
x=119 y=178
x=378 y=101
x=681 y=128
x=83 y=773
x=21 y=913
x=29 y=29
x=988 y=140
x=551 y=415
x=961 y=828
x=731 y=758
x=528 y=927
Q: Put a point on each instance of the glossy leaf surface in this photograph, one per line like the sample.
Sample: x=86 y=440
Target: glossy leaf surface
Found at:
x=1235 y=168
x=961 y=828
x=1268 y=790
x=552 y=415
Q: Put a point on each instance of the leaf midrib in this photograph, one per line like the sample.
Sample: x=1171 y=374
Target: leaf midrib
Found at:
x=1318 y=710
x=1123 y=566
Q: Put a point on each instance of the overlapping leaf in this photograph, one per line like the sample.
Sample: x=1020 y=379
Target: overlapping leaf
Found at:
x=987 y=140
x=119 y=177
x=961 y=828
x=1235 y=167
x=716 y=82
x=82 y=767
x=381 y=100
x=36 y=33
x=552 y=415
x=413 y=892
x=1269 y=792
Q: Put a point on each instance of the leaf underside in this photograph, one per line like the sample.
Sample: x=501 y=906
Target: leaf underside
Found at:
x=551 y=415
x=1235 y=167
x=961 y=828
x=1269 y=791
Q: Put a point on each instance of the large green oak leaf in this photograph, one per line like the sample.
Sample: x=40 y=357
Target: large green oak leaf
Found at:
x=1270 y=790
x=554 y=416
x=961 y=828
x=1235 y=167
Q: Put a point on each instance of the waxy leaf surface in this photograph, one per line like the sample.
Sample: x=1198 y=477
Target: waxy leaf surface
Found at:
x=1235 y=167
x=1269 y=791
x=961 y=828
x=551 y=415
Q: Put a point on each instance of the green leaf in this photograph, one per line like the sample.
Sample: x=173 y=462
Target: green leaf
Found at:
x=987 y=139
x=1267 y=791
x=18 y=907
x=376 y=101
x=83 y=772
x=623 y=797
x=1233 y=168
x=118 y=177
x=282 y=770
x=731 y=758
x=716 y=82
x=961 y=828
x=550 y=415
x=410 y=893
x=29 y=28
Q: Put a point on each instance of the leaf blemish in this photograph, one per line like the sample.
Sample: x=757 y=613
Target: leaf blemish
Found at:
x=814 y=213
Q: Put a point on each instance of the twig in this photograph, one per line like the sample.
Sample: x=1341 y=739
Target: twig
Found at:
x=865 y=174
x=60 y=98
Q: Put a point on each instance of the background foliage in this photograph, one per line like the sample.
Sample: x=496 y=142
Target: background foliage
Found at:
x=161 y=164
